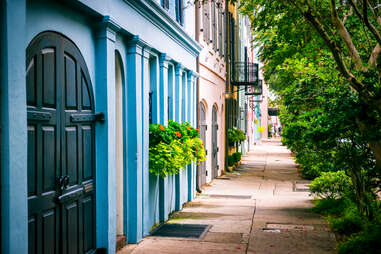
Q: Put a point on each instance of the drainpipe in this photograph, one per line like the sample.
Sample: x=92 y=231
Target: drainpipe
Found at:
x=227 y=77
x=197 y=37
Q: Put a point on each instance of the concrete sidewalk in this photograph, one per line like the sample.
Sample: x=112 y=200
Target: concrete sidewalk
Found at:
x=257 y=209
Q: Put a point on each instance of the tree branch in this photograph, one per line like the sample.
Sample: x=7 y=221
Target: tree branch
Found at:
x=364 y=95
x=368 y=24
x=375 y=14
x=336 y=52
x=331 y=44
x=374 y=55
x=350 y=13
x=345 y=36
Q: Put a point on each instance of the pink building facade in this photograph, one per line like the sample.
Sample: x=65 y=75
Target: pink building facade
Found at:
x=212 y=68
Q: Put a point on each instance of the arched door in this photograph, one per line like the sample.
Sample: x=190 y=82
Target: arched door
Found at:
x=61 y=147
x=203 y=126
x=214 y=143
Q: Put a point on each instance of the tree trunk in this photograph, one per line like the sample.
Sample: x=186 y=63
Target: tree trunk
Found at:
x=375 y=145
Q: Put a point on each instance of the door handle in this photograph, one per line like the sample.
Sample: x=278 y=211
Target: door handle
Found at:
x=63 y=182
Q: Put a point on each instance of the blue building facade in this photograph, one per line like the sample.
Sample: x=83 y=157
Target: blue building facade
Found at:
x=80 y=83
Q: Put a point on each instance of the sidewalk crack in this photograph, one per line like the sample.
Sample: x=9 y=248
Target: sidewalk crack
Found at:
x=252 y=225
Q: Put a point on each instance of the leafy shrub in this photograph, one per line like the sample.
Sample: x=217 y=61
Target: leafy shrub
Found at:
x=269 y=127
x=230 y=160
x=332 y=185
x=235 y=135
x=237 y=156
x=350 y=222
x=172 y=148
x=359 y=235
x=365 y=242
x=330 y=206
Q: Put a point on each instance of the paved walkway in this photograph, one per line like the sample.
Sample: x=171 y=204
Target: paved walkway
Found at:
x=257 y=209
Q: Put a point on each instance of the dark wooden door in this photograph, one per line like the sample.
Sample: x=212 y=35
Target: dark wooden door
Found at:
x=61 y=166
x=214 y=143
x=203 y=127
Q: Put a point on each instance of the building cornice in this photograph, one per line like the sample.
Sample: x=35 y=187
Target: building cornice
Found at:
x=159 y=17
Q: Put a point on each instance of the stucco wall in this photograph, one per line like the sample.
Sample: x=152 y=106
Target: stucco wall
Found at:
x=129 y=17
x=49 y=16
x=212 y=90
x=97 y=43
x=212 y=85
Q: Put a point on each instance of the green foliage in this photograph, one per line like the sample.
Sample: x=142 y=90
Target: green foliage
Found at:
x=327 y=122
x=330 y=206
x=357 y=233
x=235 y=135
x=237 y=156
x=269 y=127
x=349 y=223
x=332 y=185
x=364 y=242
x=173 y=147
x=231 y=161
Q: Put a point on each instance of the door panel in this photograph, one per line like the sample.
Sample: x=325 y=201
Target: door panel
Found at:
x=49 y=77
x=32 y=172
x=87 y=146
x=49 y=232
x=214 y=143
x=32 y=233
x=61 y=182
x=203 y=127
x=88 y=205
x=72 y=154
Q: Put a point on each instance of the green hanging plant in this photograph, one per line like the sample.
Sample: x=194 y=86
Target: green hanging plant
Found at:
x=235 y=135
x=173 y=147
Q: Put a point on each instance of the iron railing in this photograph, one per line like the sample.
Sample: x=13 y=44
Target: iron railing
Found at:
x=244 y=74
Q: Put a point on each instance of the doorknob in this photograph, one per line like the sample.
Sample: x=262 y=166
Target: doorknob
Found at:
x=63 y=182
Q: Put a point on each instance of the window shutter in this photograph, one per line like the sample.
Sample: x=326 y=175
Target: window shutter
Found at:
x=232 y=38
x=223 y=32
x=214 y=25
x=206 y=22
x=220 y=30
x=204 y=14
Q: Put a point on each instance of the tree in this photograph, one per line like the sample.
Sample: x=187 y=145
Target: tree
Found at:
x=346 y=32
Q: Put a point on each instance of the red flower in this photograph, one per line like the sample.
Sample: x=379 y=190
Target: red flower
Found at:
x=178 y=134
x=161 y=127
x=188 y=128
x=198 y=130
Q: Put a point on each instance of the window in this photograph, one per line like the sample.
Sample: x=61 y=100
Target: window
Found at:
x=179 y=11
x=170 y=92
x=154 y=88
x=150 y=107
x=165 y=4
